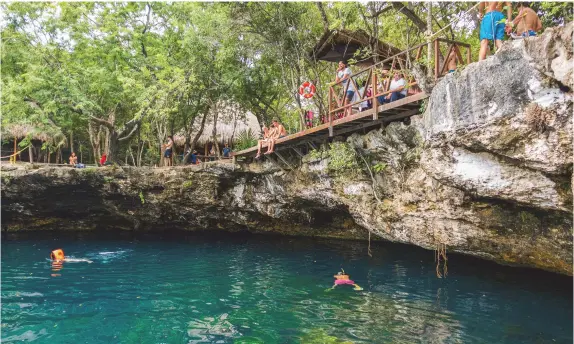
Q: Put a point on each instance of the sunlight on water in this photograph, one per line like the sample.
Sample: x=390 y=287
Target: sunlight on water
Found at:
x=186 y=288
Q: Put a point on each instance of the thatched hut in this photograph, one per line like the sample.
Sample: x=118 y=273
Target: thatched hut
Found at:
x=337 y=45
x=38 y=135
x=232 y=122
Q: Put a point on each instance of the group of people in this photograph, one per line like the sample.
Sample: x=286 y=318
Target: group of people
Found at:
x=270 y=136
x=396 y=90
x=193 y=157
x=493 y=25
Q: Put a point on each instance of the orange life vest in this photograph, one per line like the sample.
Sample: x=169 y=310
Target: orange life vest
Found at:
x=57 y=254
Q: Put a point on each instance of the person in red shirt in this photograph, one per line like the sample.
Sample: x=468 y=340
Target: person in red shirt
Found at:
x=103 y=159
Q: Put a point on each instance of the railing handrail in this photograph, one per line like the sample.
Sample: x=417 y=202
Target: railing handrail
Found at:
x=390 y=58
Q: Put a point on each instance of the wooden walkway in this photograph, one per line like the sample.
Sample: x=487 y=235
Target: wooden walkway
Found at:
x=377 y=77
x=397 y=110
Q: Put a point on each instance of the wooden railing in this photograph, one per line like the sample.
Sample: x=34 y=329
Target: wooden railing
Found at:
x=401 y=62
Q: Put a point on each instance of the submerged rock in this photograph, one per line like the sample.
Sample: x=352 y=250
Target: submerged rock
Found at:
x=487 y=171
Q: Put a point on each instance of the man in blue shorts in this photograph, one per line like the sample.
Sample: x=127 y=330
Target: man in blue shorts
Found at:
x=493 y=24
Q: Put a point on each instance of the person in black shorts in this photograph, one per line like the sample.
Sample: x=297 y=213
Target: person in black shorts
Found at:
x=168 y=150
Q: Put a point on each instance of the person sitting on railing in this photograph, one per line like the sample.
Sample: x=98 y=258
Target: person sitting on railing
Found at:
x=344 y=74
x=397 y=89
x=266 y=135
x=278 y=132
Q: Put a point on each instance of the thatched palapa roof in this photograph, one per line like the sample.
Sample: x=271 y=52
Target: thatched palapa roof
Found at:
x=43 y=132
x=231 y=121
x=337 y=45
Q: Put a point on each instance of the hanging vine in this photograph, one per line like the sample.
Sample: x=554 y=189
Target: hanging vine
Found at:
x=440 y=253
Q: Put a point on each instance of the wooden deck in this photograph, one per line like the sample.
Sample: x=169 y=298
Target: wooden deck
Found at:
x=397 y=110
x=377 y=78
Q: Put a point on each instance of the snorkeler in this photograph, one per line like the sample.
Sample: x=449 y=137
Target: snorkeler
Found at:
x=57 y=256
x=342 y=278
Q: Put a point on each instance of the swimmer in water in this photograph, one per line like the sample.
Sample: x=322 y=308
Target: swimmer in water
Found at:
x=342 y=278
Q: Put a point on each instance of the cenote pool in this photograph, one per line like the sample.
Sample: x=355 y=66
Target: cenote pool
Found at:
x=191 y=288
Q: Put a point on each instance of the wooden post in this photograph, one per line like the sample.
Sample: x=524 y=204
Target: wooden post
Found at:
x=31 y=152
x=13 y=158
x=374 y=101
x=331 y=90
x=436 y=64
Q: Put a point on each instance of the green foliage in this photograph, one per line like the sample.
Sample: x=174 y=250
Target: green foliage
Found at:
x=554 y=13
x=187 y=184
x=244 y=140
x=342 y=157
x=158 y=68
x=108 y=180
x=380 y=167
x=316 y=154
x=142 y=199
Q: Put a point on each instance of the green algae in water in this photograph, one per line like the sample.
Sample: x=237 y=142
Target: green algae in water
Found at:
x=186 y=288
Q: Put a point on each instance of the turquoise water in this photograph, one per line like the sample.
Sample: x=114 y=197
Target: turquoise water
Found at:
x=183 y=288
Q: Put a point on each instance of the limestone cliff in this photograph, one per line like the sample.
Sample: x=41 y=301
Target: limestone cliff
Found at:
x=487 y=170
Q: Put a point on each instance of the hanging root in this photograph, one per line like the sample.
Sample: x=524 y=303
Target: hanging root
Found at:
x=369 y=247
x=440 y=253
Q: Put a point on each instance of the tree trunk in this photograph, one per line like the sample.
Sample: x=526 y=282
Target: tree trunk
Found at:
x=112 y=146
x=71 y=141
x=214 y=131
x=429 y=34
x=31 y=152
x=197 y=135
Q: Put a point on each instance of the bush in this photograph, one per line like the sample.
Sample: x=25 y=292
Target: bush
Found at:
x=245 y=139
x=342 y=157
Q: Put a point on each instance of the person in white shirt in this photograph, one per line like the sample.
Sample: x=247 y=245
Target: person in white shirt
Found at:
x=397 y=88
x=344 y=75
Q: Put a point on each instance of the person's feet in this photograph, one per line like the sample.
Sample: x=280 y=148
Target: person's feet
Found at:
x=268 y=152
x=258 y=156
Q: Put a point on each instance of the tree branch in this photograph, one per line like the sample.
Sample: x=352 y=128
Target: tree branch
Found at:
x=323 y=16
x=419 y=23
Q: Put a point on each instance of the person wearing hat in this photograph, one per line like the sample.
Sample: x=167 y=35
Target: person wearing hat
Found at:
x=278 y=132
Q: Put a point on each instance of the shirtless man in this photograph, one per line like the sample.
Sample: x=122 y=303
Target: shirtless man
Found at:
x=452 y=62
x=277 y=134
x=527 y=22
x=492 y=27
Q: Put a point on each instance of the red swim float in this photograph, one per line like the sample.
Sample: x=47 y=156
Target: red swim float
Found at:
x=307 y=90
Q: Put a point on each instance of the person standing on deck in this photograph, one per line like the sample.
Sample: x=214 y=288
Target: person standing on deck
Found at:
x=344 y=74
x=398 y=89
x=527 y=22
x=492 y=26
x=168 y=150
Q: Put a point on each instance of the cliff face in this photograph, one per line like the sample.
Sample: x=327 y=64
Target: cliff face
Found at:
x=487 y=171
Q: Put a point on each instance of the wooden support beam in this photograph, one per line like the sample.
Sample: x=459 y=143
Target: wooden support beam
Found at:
x=296 y=150
x=283 y=160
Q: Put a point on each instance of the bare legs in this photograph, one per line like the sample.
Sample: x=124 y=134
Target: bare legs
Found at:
x=259 y=146
x=484 y=48
x=271 y=147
